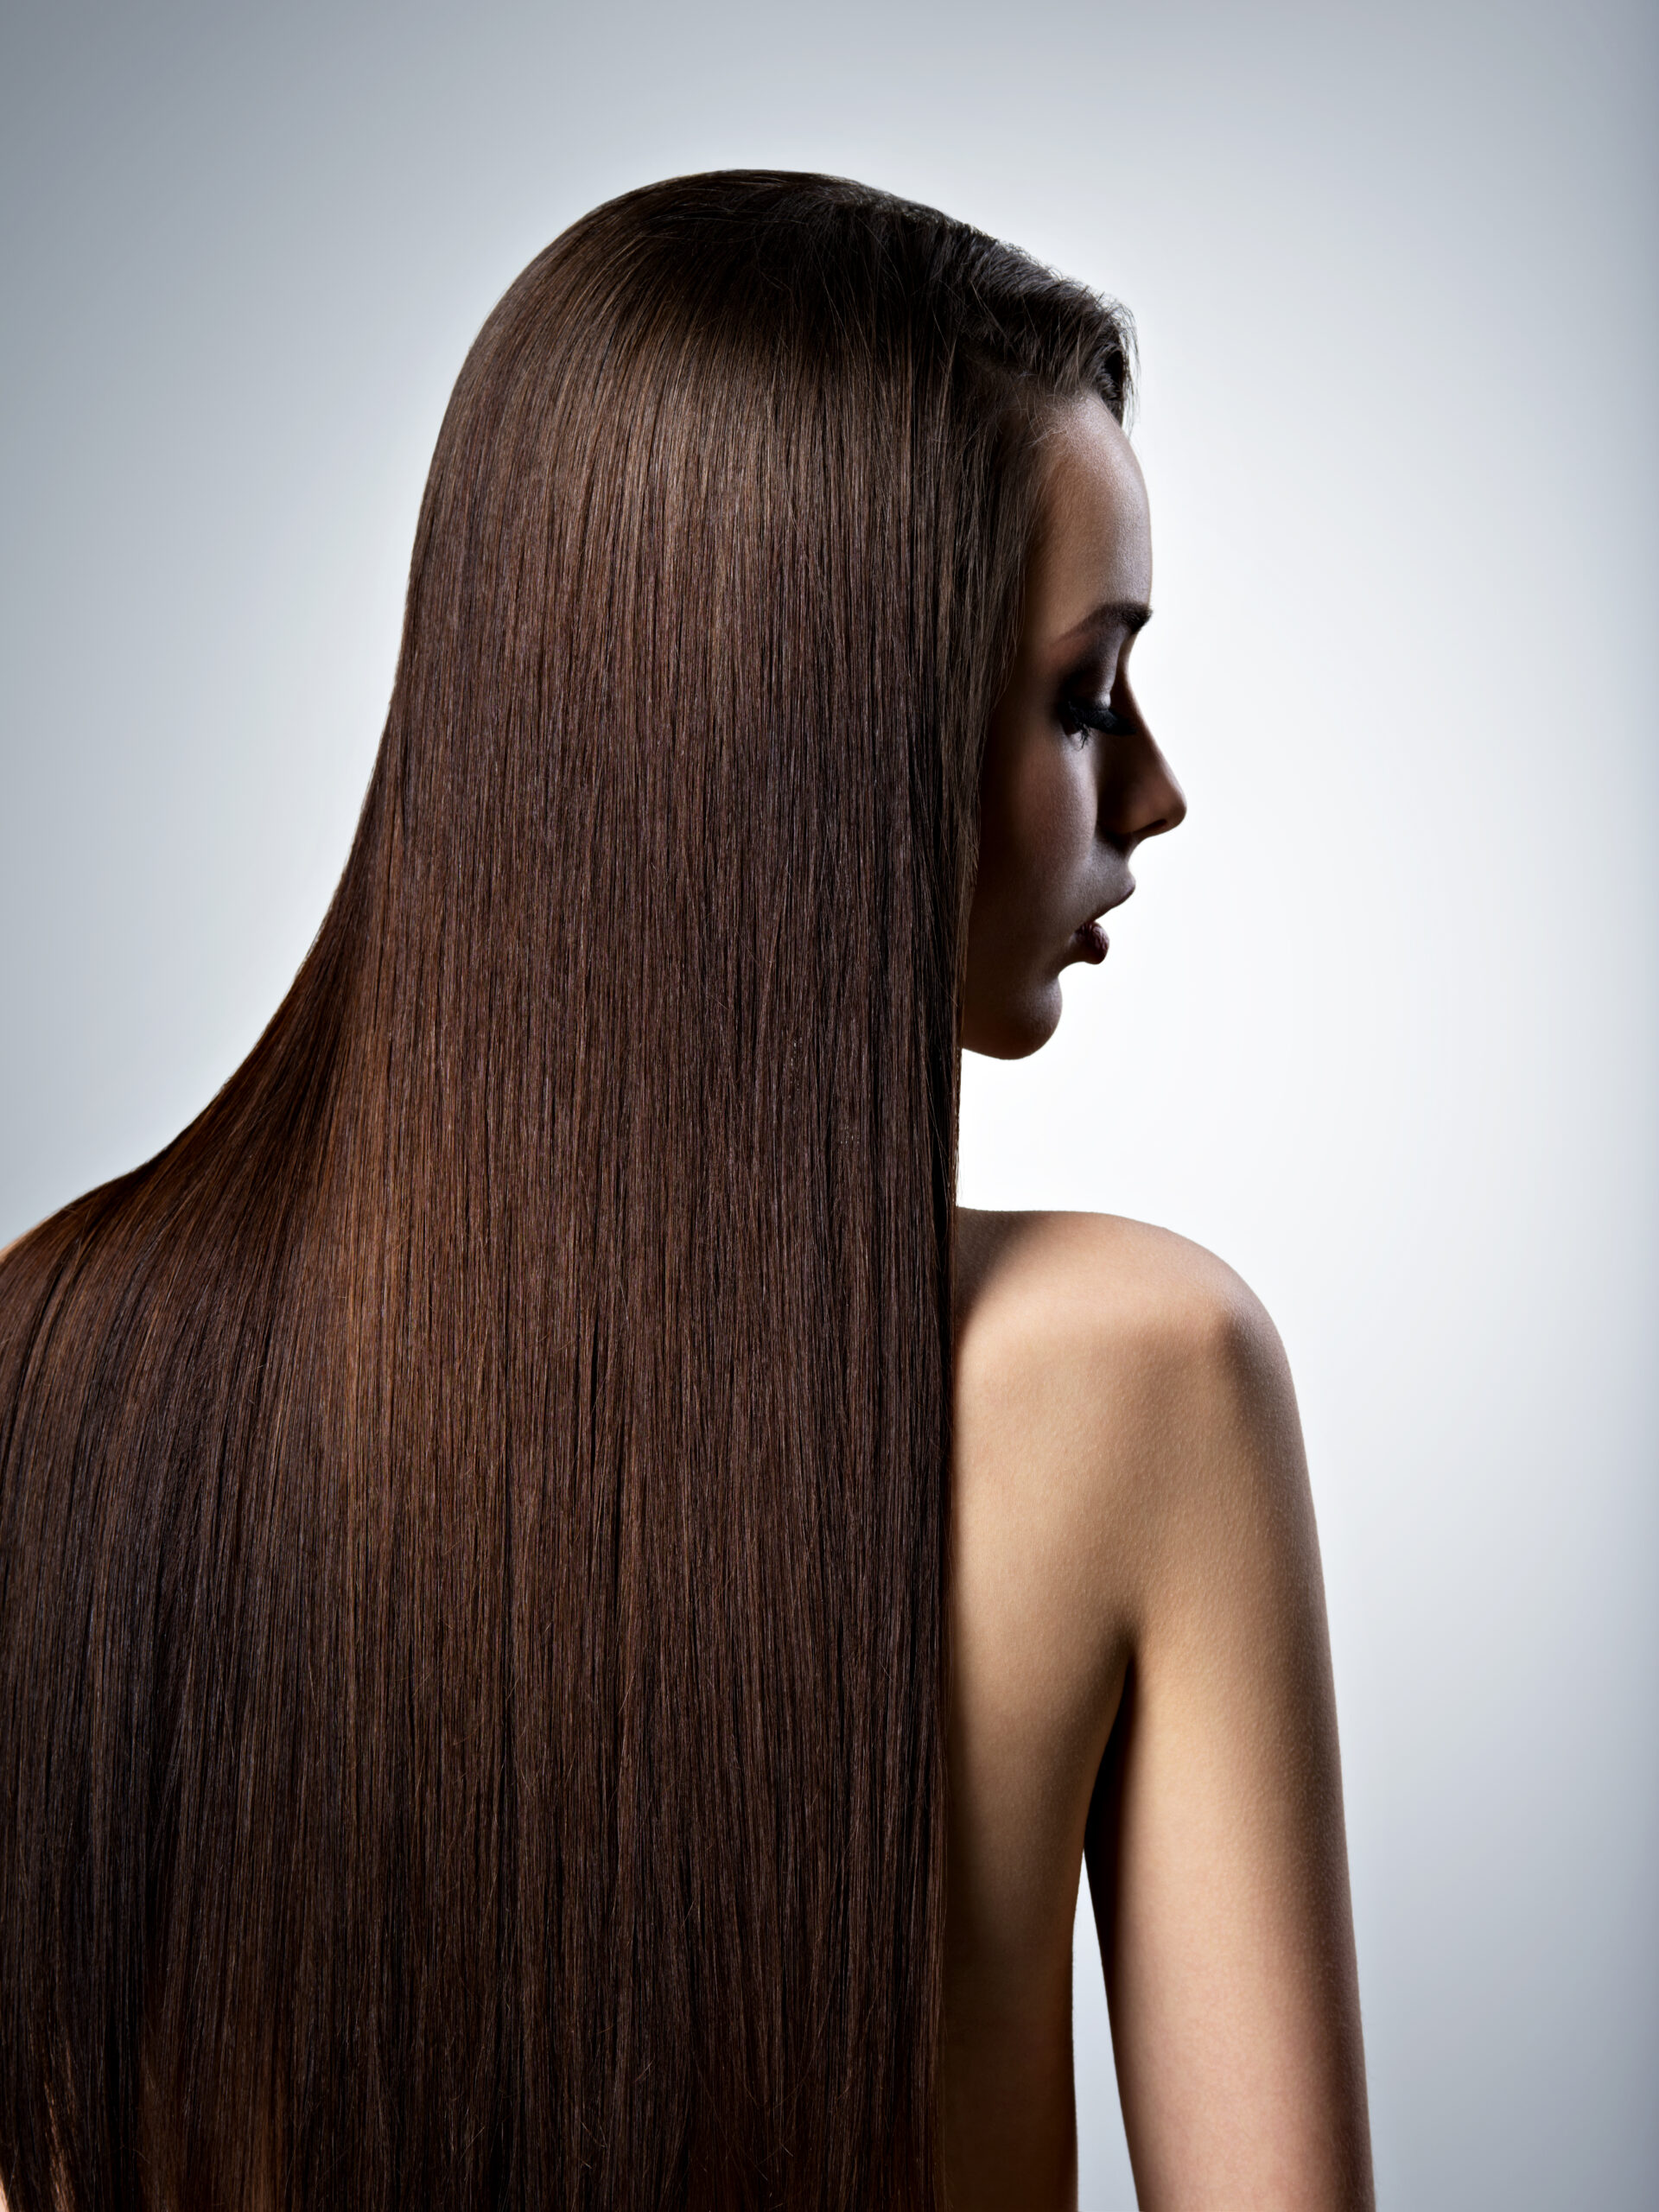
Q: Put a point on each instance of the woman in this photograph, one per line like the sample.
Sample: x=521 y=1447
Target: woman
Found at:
x=564 y=1620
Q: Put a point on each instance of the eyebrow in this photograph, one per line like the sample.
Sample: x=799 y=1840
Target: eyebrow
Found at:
x=1130 y=614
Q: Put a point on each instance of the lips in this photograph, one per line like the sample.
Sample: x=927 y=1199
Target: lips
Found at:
x=1089 y=940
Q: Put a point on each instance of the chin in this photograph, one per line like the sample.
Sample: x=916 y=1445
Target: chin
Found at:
x=1015 y=1031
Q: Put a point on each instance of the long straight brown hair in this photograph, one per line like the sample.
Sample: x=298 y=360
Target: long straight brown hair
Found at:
x=474 y=1509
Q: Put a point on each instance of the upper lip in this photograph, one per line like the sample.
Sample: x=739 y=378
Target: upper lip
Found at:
x=1117 y=899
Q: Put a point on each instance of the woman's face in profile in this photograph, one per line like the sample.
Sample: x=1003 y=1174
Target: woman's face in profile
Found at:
x=1073 y=781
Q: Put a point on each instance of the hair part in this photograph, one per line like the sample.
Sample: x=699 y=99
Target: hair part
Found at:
x=474 y=1509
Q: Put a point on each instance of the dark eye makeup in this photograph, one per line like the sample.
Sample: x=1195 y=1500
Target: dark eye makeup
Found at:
x=1076 y=716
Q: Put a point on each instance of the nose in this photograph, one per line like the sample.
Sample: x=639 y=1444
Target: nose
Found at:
x=1146 y=800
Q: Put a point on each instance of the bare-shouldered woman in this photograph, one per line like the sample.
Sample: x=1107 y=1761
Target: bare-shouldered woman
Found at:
x=532 y=1656
x=1139 y=1669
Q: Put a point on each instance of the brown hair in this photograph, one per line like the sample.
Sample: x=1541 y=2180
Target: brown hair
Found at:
x=472 y=1510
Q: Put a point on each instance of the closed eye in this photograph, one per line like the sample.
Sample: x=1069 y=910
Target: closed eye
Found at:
x=1079 y=715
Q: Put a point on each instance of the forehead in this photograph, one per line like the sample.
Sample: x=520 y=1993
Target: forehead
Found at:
x=1093 y=544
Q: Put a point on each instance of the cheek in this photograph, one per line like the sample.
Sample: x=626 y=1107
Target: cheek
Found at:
x=1052 y=811
x=1036 y=837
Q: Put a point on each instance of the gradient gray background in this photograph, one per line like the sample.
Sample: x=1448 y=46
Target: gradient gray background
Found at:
x=1379 y=1026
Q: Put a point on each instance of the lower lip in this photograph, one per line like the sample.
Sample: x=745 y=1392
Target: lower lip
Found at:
x=1091 y=941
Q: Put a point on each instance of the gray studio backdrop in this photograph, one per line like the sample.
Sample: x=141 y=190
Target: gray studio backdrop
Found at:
x=1378 y=1025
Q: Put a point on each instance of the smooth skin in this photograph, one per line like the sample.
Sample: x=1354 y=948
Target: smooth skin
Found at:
x=1140 y=1669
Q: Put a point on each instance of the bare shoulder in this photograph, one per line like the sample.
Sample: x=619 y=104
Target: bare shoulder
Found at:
x=1119 y=1378
x=1141 y=1670
x=1098 y=1270
x=1100 y=1298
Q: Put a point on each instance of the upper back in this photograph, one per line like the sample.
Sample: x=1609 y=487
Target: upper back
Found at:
x=1112 y=1384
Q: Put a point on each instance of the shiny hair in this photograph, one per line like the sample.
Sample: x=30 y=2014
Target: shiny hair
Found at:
x=474 y=1509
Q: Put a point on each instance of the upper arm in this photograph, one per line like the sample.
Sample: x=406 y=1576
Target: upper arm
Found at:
x=1215 y=1841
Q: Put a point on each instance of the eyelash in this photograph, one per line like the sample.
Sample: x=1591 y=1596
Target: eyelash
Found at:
x=1079 y=715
